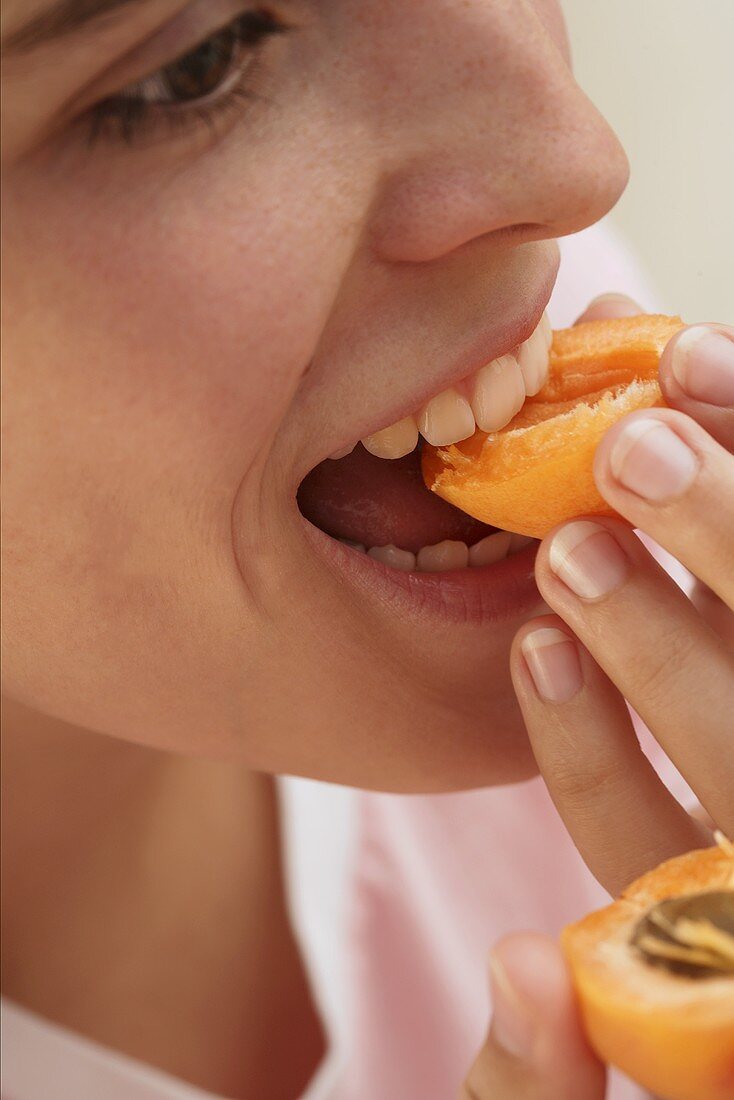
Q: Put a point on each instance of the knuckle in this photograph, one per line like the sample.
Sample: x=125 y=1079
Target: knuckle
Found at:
x=658 y=670
x=577 y=785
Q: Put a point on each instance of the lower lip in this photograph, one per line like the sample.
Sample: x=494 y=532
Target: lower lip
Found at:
x=481 y=595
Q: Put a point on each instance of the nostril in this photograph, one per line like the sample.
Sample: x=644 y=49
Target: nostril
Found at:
x=434 y=209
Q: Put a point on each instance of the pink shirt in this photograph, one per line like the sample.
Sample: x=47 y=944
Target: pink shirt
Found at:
x=396 y=915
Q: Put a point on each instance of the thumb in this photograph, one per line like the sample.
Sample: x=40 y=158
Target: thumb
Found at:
x=535 y=1049
x=607 y=306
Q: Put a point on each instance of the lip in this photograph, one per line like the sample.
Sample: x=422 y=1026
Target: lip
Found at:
x=483 y=595
x=489 y=344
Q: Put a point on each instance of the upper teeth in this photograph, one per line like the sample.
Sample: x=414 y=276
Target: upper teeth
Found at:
x=393 y=442
x=533 y=357
x=447 y=418
x=488 y=400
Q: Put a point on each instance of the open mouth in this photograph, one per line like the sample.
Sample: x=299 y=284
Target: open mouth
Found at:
x=371 y=496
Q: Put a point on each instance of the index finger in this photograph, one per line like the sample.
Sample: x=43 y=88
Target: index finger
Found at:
x=697 y=377
x=619 y=813
x=645 y=634
x=669 y=478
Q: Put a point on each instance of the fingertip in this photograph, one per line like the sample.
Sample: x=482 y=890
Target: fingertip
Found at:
x=607 y=306
x=610 y=458
x=523 y=650
x=607 y=458
x=535 y=984
x=538 y=979
x=534 y=967
x=540 y=622
x=525 y=991
x=696 y=376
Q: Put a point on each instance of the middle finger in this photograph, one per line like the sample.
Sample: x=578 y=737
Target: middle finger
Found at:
x=651 y=642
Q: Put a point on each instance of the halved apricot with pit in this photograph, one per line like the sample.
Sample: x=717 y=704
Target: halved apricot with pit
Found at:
x=537 y=471
x=654 y=973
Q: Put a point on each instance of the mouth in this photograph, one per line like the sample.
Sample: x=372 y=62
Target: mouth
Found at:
x=370 y=513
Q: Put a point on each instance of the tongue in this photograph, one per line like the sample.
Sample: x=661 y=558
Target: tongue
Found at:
x=378 y=501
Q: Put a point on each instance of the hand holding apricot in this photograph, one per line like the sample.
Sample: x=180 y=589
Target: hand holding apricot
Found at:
x=675 y=1035
x=624 y=631
x=654 y=972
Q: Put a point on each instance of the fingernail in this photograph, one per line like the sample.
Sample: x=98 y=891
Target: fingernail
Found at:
x=651 y=460
x=703 y=365
x=512 y=1026
x=553 y=661
x=587 y=558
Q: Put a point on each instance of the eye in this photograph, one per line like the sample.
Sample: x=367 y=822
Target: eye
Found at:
x=200 y=81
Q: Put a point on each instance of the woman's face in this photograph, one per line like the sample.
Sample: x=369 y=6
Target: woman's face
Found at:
x=218 y=276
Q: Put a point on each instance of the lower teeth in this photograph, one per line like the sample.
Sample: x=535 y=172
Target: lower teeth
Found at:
x=396 y=558
x=446 y=555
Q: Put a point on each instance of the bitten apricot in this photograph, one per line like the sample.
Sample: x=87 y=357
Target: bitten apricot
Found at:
x=537 y=471
x=654 y=973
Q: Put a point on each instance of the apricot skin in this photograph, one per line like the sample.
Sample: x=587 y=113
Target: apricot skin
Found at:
x=673 y=1035
x=538 y=470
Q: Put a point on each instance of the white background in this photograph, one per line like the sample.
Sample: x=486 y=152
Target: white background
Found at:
x=662 y=73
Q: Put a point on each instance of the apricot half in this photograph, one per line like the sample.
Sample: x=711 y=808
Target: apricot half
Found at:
x=654 y=973
x=537 y=471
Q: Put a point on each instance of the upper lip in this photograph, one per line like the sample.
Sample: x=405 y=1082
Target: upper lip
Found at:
x=490 y=343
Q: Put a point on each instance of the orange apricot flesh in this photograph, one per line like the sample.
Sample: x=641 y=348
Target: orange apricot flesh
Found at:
x=537 y=471
x=667 y=1025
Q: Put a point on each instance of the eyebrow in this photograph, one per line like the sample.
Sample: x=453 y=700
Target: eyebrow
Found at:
x=63 y=18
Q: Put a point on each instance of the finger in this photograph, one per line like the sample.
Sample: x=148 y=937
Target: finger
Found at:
x=665 y=474
x=697 y=377
x=714 y=612
x=649 y=639
x=536 y=1049
x=705 y=819
x=610 y=305
x=621 y=817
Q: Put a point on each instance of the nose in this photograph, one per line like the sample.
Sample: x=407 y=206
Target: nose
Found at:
x=495 y=137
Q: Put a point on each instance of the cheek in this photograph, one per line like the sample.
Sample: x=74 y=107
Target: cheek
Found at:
x=157 y=341
x=174 y=317
x=162 y=331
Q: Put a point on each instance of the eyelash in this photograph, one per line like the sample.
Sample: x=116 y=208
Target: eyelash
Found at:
x=125 y=118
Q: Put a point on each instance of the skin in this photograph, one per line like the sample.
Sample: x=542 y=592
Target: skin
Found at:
x=166 y=489
x=160 y=412
x=681 y=683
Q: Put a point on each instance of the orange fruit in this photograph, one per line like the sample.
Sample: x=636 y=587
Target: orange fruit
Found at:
x=654 y=974
x=537 y=471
